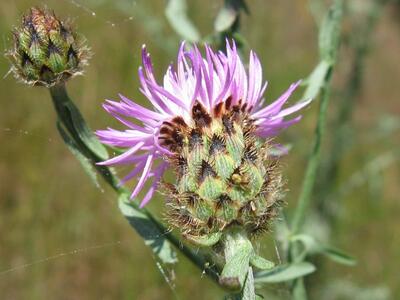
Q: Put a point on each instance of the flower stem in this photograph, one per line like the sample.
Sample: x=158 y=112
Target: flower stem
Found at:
x=298 y=289
x=313 y=163
x=237 y=252
x=71 y=118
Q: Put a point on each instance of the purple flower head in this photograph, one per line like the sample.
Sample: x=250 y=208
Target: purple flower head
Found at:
x=207 y=82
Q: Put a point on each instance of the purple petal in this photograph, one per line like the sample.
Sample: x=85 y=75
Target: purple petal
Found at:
x=144 y=176
x=123 y=156
x=277 y=105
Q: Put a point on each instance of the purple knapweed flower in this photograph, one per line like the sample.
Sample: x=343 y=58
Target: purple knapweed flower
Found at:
x=196 y=83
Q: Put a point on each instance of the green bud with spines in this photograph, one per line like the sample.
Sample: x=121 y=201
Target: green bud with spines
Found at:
x=46 y=50
x=225 y=175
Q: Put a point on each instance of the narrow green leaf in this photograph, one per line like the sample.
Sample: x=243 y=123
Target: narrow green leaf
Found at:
x=152 y=235
x=225 y=18
x=299 y=291
x=309 y=243
x=205 y=240
x=313 y=246
x=228 y=14
x=261 y=263
x=176 y=13
x=330 y=32
x=85 y=162
x=285 y=272
x=316 y=80
x=338 y=256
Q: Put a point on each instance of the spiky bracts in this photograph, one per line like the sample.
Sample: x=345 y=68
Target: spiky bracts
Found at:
x=46 y=50
x=224 y=174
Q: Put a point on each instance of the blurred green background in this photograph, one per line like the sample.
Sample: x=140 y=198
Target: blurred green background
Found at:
x=63 y=238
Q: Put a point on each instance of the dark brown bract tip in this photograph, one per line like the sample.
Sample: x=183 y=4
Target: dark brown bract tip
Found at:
x=200 y=115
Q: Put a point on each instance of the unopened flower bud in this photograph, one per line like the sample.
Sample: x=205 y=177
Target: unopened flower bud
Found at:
x=46 y=50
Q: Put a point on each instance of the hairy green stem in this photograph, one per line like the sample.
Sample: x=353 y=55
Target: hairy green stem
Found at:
x=237 y=252
x=298 y=288
x=308 y=183
x=313 y=163
x=63 y=106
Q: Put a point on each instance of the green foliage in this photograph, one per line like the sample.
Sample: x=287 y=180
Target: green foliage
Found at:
x=153 y=235
x=261 y=263
x=86 y=163
x=284 y=273
x=316 y=80
x=311 y=247
x=228 y=14
x=81 y=135
x=329 y=33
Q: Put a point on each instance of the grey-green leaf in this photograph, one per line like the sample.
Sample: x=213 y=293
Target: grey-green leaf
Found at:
x=316 y=80
x=225 y=18
x=176 y=13
x=261 y=263
x=205 y=240
x=330 y=32
x=85 y=162
x=228 y=14
x=285 y=272
x=152 y=235
x=338 y=256
x=313 y=246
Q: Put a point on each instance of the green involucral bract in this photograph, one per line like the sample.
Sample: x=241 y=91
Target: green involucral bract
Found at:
x=46 y=50
x=225 y=176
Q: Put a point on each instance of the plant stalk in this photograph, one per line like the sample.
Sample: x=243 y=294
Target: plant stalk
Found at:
x=314 y=161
